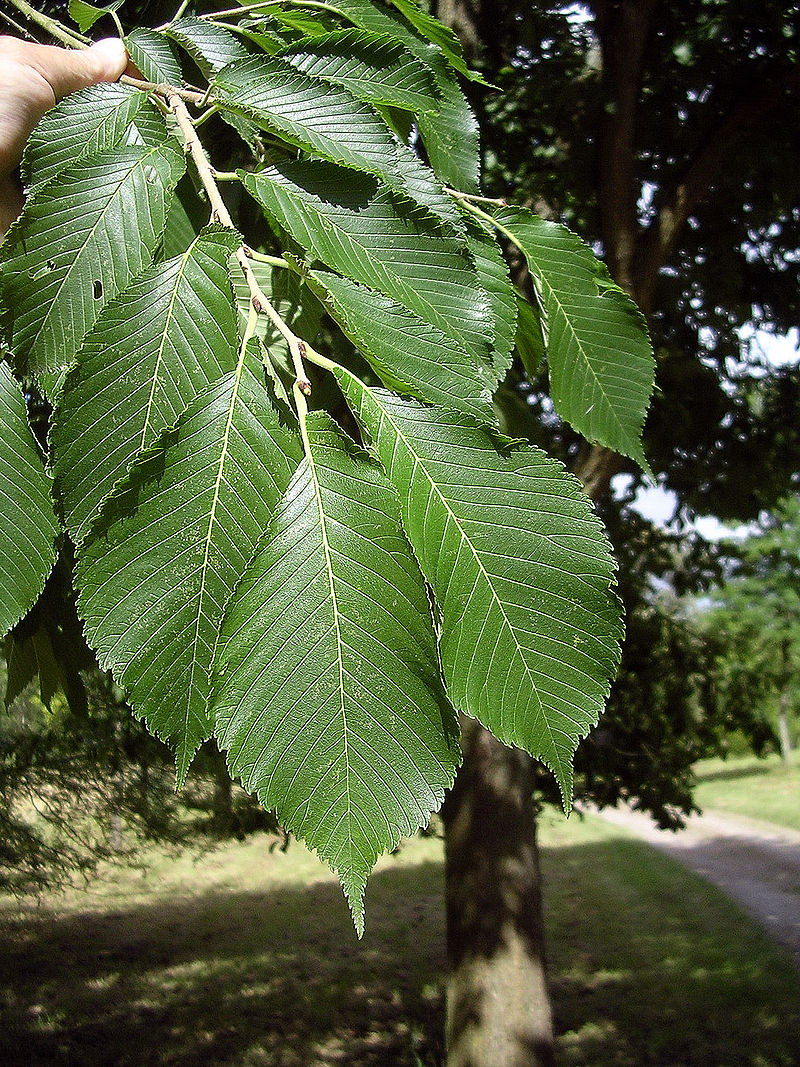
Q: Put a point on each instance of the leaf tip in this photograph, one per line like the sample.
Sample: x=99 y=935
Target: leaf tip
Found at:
x=184 y=754
x=354 y=894
x=562 y=772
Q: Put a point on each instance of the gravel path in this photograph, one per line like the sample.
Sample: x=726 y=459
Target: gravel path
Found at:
x=756 y=863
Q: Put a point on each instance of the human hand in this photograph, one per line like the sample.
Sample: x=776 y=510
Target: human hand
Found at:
x=34 y=77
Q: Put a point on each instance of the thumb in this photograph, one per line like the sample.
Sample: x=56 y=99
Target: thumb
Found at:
x=68 y=71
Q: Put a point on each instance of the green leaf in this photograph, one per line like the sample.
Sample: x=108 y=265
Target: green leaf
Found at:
x=83 y=123
x=268 y=34
x=181 y=228
x=371 y=237
x=21 y=667
x=49 y=642
x=210 y=45
x=373 y=67
x=296 y=22
x=407 y=353
x=450 y=132
x=328 y=121
x=168 y=334
x=78 y=242
x=519 y=566
x=492 y=275
x=28 y=658
x=152 y=53
x=29 y=527
x=155 y=579
x=598 y=351
x=213 y=47
x=442 y=36
x=327 y=692
x=85 y=15
x=529 y=339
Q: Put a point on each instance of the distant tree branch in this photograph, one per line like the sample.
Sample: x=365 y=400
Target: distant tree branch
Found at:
x=623 y=30
x=699 y=177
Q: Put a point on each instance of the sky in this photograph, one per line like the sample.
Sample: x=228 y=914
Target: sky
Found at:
x=656 y=504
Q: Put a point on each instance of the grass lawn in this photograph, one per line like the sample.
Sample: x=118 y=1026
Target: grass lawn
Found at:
x=244 y=957
x=758 y=788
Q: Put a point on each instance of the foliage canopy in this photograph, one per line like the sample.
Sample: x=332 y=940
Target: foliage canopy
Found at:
x=297 y=526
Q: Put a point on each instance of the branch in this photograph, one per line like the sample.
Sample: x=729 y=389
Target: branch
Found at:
x=472 y=198
x=70 y=38
x=698 y=177
x=624 y=31
x=163 y=89
x=264 y=5
x=220 y=214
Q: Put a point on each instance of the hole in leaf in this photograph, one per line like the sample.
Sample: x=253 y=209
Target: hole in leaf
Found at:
x=97 y=289
x=39 y=272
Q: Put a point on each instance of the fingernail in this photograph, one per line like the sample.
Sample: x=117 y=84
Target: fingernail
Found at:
x=111 y=53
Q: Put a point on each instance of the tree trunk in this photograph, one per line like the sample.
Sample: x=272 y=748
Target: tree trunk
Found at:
x=784 y=737
x=498 y=1008
x=223 y=817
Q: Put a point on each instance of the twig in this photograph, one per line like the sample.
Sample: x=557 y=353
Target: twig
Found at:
x=180 y=11
x=55 y=29
x=164 y=89
x=262 y=257
x=220 y=214
x=21 y=30
x=244 y=9
x=472 y=198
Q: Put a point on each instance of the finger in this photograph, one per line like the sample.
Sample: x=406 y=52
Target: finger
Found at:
x=67 y=71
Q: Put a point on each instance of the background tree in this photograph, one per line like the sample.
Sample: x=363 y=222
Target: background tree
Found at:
x=665 y=134
x=757 y=608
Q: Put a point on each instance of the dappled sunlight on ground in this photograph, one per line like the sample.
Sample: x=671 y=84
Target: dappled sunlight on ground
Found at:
x=274 y=977
x=232 y=959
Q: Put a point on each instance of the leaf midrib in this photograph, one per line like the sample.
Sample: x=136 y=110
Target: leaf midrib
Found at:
x=339 y=640
x=224 y=449
x=162 y=343
x=127 y=175
x=418 y=461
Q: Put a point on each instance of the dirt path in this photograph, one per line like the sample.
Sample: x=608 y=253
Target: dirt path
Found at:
x=756 y=863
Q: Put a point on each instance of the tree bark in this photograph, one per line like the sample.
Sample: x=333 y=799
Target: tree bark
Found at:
x=223 y=817
x=498 y=1007
x=623 y=28
x=784 y=737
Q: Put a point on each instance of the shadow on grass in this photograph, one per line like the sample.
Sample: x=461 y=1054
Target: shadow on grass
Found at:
x=732 y=774
x=277 y=979
x=651 y=966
